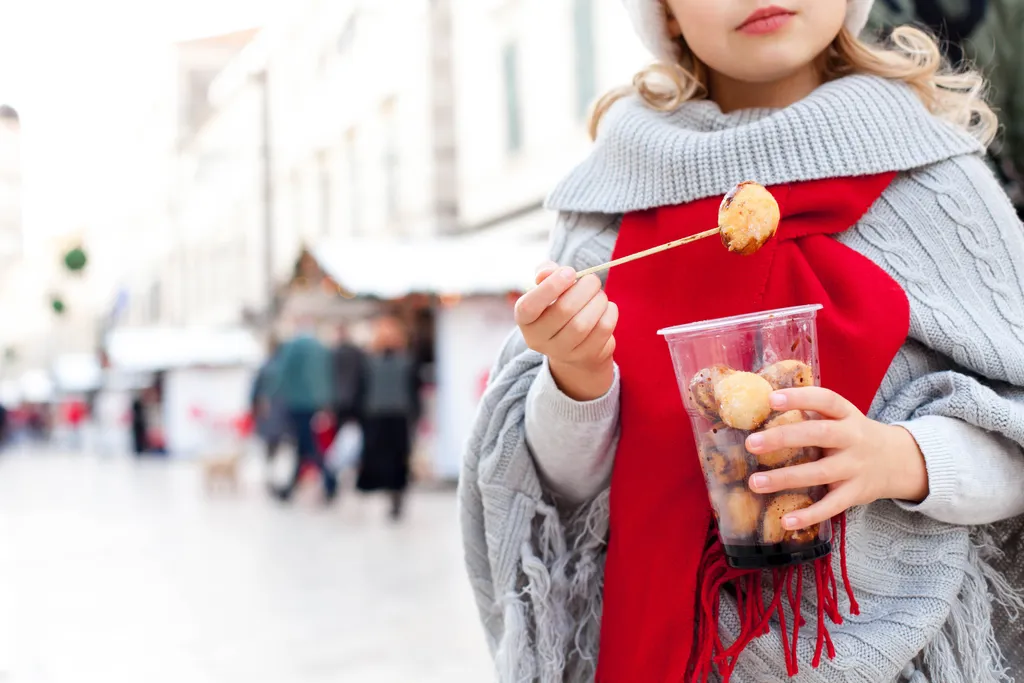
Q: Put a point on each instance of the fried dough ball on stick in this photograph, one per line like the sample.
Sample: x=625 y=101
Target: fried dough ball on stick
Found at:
x=748 y=217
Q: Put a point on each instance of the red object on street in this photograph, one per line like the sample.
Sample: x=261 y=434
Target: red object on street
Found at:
x=324 y=429
x=74 y=412
x=244 y=424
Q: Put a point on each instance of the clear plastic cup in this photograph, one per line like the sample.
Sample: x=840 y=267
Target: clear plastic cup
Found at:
x=726 y=369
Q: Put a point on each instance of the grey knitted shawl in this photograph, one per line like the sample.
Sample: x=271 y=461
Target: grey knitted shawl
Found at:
x=936 y=602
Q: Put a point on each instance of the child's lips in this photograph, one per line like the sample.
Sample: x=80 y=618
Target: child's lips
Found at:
x=769 y=21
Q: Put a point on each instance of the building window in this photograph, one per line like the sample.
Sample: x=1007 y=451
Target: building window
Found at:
x=155 y=299
x=513 y=113
x=297 y=208
x=324 y=186
x=390 y=160
x=583 y=34
x=347 y=36
x=352 y=161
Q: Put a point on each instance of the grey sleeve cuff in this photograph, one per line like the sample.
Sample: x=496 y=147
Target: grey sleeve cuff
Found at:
x=549 y=398
x=974 y=476
x=573 y=442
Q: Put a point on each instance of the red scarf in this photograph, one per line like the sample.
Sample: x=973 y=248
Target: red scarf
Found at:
x=664 y=570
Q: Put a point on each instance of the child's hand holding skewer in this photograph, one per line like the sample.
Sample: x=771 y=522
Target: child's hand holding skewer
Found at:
x=572 y=323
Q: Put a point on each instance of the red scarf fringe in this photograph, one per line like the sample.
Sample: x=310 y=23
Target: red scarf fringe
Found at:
x=711 y=653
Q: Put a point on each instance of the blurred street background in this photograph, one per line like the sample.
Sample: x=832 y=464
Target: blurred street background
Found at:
x=256 y=260
x=118 y=571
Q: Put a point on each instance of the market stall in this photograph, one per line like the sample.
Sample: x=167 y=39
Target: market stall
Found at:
x=192 y=376
x=466 y=288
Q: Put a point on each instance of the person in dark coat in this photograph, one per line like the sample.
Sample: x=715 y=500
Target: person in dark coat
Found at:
x=139 y=427
x=390 y=411
x=303 y=383
x=268 y=408
x=347 y=365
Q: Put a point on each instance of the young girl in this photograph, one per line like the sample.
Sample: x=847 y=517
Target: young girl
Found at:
x=588 y=532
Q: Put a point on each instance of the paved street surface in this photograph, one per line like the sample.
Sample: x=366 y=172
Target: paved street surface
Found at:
x=117 y=571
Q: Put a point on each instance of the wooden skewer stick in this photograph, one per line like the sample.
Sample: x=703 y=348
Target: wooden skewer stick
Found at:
x=648 y=252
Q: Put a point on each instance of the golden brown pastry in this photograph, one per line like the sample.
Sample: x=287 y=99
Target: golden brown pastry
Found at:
x=748 y=217
x=726 y=465
x=803 y=536
x=743 y=400
x=778 y=507
x=702 y=389
x=788 y=374
x=783 y=456
x=739 y=513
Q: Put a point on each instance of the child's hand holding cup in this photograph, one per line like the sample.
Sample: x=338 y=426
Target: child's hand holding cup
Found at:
x=573 y=324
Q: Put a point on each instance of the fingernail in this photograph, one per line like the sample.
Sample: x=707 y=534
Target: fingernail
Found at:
x=760 y=481
x=778 y=401
x=790 y=522
x=755 y=441
x=567 y=273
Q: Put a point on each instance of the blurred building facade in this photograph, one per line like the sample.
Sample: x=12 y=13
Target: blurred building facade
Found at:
x=10 y=184
x=421 y=135
x=358 y=120
x=527 y=73
x=10 y=234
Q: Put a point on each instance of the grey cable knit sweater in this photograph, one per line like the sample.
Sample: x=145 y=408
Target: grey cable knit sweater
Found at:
x=534 y=502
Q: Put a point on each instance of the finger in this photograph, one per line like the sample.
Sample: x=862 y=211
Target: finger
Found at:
x=534 y=303
x=609 y=347
x=596 y=345
x=817 y=399
x=579 y=327
x=838 y=500
x=571 y=302
x=544 y=271
x=807 y=434
x=828 y=470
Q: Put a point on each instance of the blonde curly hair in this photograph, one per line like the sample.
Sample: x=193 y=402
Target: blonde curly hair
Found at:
x=909 y=55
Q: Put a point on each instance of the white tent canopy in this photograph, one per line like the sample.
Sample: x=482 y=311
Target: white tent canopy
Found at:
x=148 y=349
x=36 y=386
x=75 y=372
x=392 y=269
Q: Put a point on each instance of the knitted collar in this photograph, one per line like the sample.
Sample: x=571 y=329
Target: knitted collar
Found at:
x=853 y=126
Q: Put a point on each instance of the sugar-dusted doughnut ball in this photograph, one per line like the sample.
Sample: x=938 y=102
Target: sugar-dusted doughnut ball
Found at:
x=748 y=217
x=778 y=507
x=702 y=389
x=783 y=456
x=743 y=400
x=724 y=457
x=788 y=374
x=739 y=512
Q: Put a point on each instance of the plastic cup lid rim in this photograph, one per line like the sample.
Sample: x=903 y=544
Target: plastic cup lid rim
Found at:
x=746 y=319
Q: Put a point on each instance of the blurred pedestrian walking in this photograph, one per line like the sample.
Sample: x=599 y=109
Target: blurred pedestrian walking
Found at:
x=390 y=410
x=140 y=443
x=302 y=381
x=267 y=405
x=349 y=386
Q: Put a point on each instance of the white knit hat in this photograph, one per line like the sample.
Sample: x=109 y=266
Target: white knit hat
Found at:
x=651 y=24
